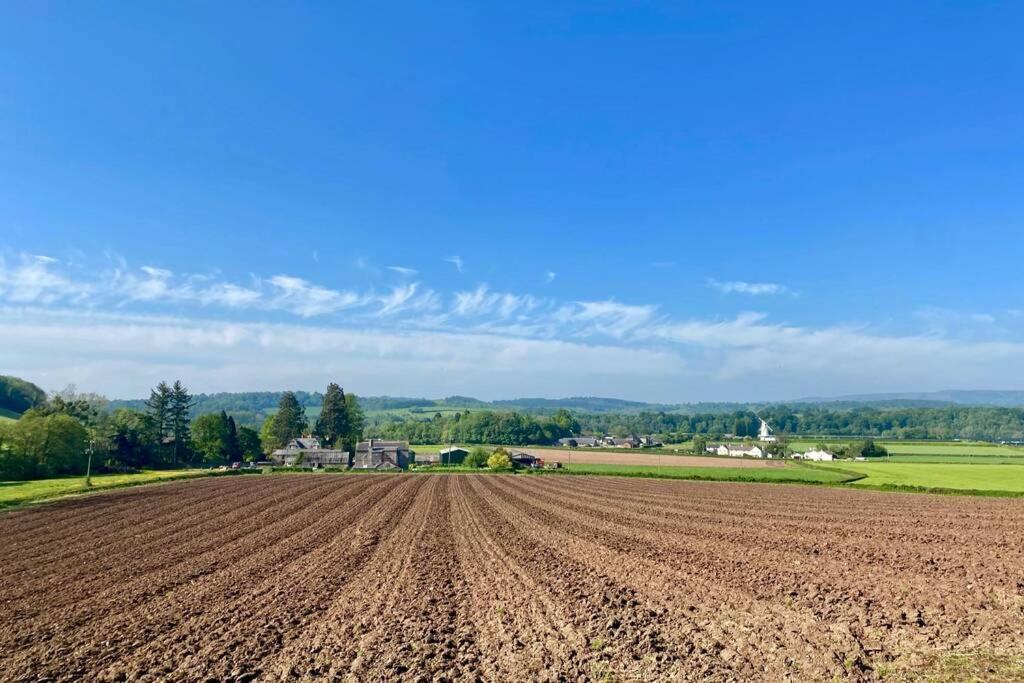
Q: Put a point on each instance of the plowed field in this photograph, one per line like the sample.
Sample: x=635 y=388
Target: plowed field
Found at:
x=509 y=578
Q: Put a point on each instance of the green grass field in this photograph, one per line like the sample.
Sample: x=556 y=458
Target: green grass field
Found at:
x=14 y=493
x=957 y=448
x=973 y=477
x=791 y=473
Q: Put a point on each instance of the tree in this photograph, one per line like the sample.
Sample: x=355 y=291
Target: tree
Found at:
x=158 y=413
x=499 y=460
x=356 y=422
x=332 y=427
x=567 y=424
x=477 y=457
x=290 y=420
x=779 y=449
x=232 y=446
x=249 y=444
x=179 y=409
x=700 y=445
x=44 y=446
x=86 y=408
x=268 y=439
x=125 y=437
x=209 y=436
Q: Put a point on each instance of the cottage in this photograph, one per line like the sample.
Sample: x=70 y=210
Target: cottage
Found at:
x=381 y=455
x=309 y=452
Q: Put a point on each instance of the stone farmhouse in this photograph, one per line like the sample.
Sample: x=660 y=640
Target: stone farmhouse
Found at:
x=374 y=454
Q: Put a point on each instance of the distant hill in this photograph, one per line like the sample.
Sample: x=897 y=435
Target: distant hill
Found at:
x=251 y=408
x=924 y=399
x=18 y=395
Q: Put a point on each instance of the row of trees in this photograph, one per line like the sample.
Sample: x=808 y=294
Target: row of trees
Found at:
x=954 y=422
x=514 y=429
x=53 y=438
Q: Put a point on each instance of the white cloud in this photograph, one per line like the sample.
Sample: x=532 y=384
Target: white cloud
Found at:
x=35 y=279
x=306 y=299
x=608 y=317
x=481 y=301
x=123 y=355
x=402 y=270
x=752 y=288
x=550 y=276
x=746 y=357
x=456 y=261
x=404 y=299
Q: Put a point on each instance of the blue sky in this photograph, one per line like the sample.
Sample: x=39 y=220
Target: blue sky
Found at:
x=663 y=201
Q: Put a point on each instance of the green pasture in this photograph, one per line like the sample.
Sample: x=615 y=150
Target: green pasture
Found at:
x=23 y=492
x=965 y=477
x=944 y=448
x=790 y=474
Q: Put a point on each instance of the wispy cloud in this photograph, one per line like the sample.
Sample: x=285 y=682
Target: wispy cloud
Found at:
x=752 y=288
x=550 y=276
x=456 y=261
x=402 y=270
x=306 y=299
x=747 y=356
x=35 y=278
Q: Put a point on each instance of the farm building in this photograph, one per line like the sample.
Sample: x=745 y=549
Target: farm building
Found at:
x=381 y=455
x=579 y=442
x=520 y=459
x=628 y=442
x=309 y=452
x=446 y=456
x=814 y=454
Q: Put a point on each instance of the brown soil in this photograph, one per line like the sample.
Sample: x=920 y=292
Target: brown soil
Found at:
x=499 y=578
x=629 y=456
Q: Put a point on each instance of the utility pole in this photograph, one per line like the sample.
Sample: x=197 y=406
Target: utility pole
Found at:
x=88 y=465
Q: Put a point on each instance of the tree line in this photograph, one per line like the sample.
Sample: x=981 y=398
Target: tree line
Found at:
x=510 y=428
x=56 y=434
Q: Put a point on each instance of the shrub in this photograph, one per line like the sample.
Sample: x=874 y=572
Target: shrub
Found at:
x=476 y=458
x=499 y=460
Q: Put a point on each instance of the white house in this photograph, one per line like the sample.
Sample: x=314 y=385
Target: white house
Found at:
x=814 y=454
x=737 y=450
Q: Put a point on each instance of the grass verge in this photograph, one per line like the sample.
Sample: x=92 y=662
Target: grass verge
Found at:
x=19 y=493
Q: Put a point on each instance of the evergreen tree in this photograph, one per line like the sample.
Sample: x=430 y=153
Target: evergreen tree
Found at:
x=290 y=420
x=332 y=427
x=233 y=445
x=179 y=408
x=158 y=412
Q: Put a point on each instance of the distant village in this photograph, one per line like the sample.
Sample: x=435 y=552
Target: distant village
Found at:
x=376 y=454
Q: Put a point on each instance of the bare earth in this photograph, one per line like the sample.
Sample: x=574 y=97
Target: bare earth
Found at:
x=628 y=456
x=509 y=578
